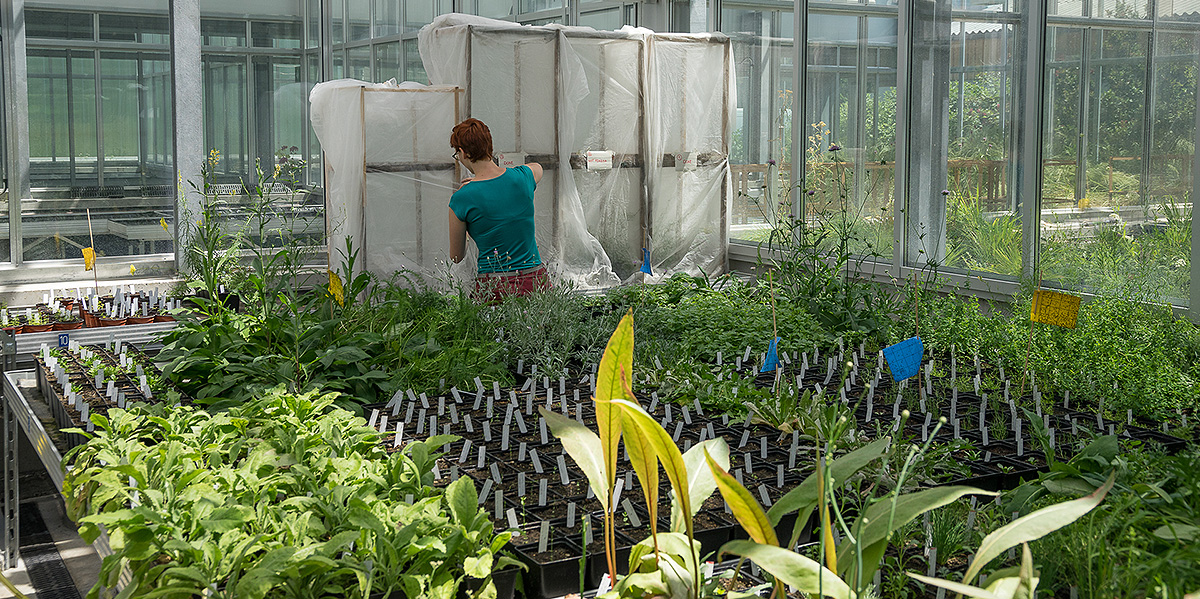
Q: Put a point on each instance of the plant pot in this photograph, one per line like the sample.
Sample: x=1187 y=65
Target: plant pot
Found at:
x=15 y=330
x=505 y=581
x=69 y=325
x=110 y=322
x=38 y=328
x=164 y=318
x=553 y=574
x=139 y=320
x=89 y=319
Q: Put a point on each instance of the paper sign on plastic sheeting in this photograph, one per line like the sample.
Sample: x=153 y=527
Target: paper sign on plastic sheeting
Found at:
x=599 y=160
x=510 y=159
x=1052 y=307
x=685 y=161
x=904 y=358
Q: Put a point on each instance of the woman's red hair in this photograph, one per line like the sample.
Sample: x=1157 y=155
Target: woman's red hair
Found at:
x=473 y=138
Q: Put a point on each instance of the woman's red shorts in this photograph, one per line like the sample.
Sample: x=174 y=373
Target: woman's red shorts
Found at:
x=493 y=288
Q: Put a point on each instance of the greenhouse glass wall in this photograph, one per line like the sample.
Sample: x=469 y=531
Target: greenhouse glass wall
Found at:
x=991 y=141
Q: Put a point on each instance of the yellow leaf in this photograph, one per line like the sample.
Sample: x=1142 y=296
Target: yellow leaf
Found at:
x=335 y=288
x=132 y=270
x=745 y=509
x=89 y=258
x=612 y=380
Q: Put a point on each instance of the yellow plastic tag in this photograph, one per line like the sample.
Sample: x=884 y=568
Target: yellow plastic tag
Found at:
x=89 y=259
x=1052 y=307
x=335 y=288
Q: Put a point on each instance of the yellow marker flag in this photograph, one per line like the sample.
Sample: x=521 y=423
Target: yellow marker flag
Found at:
x=89 y=259
x=162 y=222
x=132 y=270
x=1052 y=307
x=335 y=288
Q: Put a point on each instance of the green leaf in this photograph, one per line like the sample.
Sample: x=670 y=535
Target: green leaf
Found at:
x=805 y=494
x=478 y=567
x=463 y=500
x=747 y=511
x=879 y=522
x=701 y=483
x=791 y=568
x=228 y=518
x=1034 y=526
x=1178 y=532
x=954 y=587
x=584 y=447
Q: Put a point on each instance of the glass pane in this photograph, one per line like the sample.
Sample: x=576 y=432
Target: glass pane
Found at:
x=388 y=61
x=116 y=162
x=56 y=24
x=132 y=28
x=62 y=122
x=528 y=6
x=1116 y=237
x=225 y=128
x=275 y=35
x=602 y=19
x=313 y=34
x=358 y=17
x=216 y=32
x=1060 y=172
x=417 y=13
x=387 y=17
x=1104 y=9
x=760 y=150
x=983 y=229
x=358 y=63
x=849 y=131
x=495 y=9
x=414 y=68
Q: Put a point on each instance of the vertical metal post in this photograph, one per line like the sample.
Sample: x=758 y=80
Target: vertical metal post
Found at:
x=725 y=99
x=558 y=172
x=1194 y=303
x=98 y=86
x=12 y=530
x=1148 y=114
x=1027 y=138
x=1085 y=110
x=904 y=19
x=326 y=40
x=799 y=104
x=188 y=111
x=16 y=106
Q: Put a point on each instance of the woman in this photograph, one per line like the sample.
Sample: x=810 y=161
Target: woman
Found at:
x=495 y=207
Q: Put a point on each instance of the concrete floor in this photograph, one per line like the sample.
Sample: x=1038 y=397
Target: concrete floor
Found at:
x=81 y=559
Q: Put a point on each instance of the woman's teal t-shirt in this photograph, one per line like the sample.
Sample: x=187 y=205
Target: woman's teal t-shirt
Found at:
x=499 y=217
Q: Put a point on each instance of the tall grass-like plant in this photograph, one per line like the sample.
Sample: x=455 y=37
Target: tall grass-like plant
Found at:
x=666 y=564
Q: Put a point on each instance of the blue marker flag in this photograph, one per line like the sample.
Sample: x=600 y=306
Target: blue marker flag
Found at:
x=904 y=358
x=646 y=261
x=772 y=361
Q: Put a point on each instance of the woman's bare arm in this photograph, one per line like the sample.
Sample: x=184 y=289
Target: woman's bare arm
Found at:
x=458 y=238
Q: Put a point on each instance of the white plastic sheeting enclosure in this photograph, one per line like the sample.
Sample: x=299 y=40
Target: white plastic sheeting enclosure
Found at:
x=632 y=128
x=388 y=171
